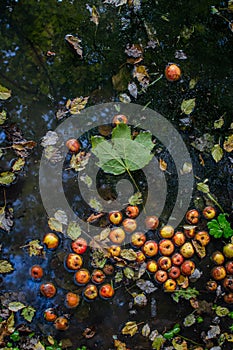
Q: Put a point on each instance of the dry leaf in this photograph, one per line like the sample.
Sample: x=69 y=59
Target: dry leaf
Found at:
x=94 y=217
x=200 y=250
x=228 y=144
x=140 y=72
x=34 y=248
x=18 y=164
x=130 y=328
x=74 y=43
x=179 y=344
x=79 y=161
x=5 y=266
x=129 y=254
x=77 y=104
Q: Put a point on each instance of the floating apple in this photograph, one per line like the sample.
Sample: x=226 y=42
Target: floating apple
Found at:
x=90 y=292
x=152 y=266
x=132 y=211
x=189 y=230
x=119 y=118
x=115 y=250
x=73 y=145
x=228 y=250
x=218 y=273
x=179 y=238
x=82 y=277
x=51 y=240
x=115 y=217
x=74 y=261
x=169 y=285
x=106 y=291
x=36 y=272
x=174 y=272
x=228 y=283
x=166 y=247
x=172 y=72
x=209 y=212
x=187 y=268
x=129 y=225
x=50 y=315
x=117 y=235
x=150 y=248
x=228 y=298
x=229 y=267
x=138 y=239
x=98 y=276
x=167 y=231
x=177 y=259
x=72 y=300
x=211 y=286
x=79 y=246
x=218 y=258
x=164 y=263
x=187 y=250
x=61 y=323
x=192 y=216
x=152 y=222
x=161 y=276
x=48 y=290
x=203 y=238
x=140 y=257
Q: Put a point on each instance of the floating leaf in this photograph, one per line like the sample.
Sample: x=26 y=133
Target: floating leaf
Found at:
x=34 y=248
x=134 y=50
x=55 y=225
x=129 y=273
x=77 y=104
x=116 y=2
x=15 y=306
x=6 y=178
x=74 y=43
x=95 y=15
x=86 y=179
x=189 y=320
x=187 y=168
x=146 y=330
x=213 y=332
x=153 y=335
x=219 y=123
x=28 y=313
x=23 y=147
x=228 y=144
x=39 y=346
x=192 y=83
x=73 y=230
x=187 y=106
x=179 y=344
x=200 y=250
x=140 y=300
x=121 y=79
x=220 y=227
x=158 y=342
x=61 y=216
x=79 y=161
x=136 y=199
x=129 y=254
x=203 y=187
x=118 y=276
x=119 y=345
x=140 y=72
x=5 y=266
x=221 y=311
x=3 y=116
x=49 y=139
x=217 y=153
x=124 y=98
x=185 y=294
x=130 y=328
x=4 y=93
x=162 y=165
x=6 y=218
x=146 y=286
x=98 y=258
x=229 y=337
x=18 y=164
x=204 y=143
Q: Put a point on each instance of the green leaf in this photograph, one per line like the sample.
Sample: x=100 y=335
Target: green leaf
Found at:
x=201 y=186
x=121 y=131
x=187 y=106
x=95 y=204
x=192 y=83
x=219 y=123
x=217 y=153
x=55 y=225
x=4 y=93
x=189 y=320
x=129 y=254
x=18 y=164
x=15 y=306
x=3 y=115
x=220 y=227
x=136 y=199
x=5 y=266
x=73 y=230
x=158 y=342
x=118 y=276
x=221 y=311
x=129 y=273
x=28 y=313
x=6 y=178
x=186 y=294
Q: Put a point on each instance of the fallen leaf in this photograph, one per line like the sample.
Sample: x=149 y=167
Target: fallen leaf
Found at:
x=119 y=345
x=179 y=344
x=23 y=148
x=28 y=313
x=104 y=234
x=79 y=161
x=6 y=218
x=228 y=144
x=74 y=43
x=153 y=335
x=158 y=342
x=204 y=143
x=4 y=93
x=77 y=104
x=49 y=139
x=124 y=98
x=140 y=72
x=200 y=250
x=162 y=165
x=134 y=50
x=34 y=248
x=89 y=332
x=95 y=204
x=116 y=2
x=95 y=15
x=129 y=254
x=94 y=217
x=217 y=153
x=221 y=311
x=229 y=337
x=129 y=273
x=213 y=332
x=18 y=164
x=187 y=168
x=140 y=300
x=121 y=79
x=219 y=123
x=55 y=225
x=130 y=328
x=118 y=276
x=189 y=320
x=146 y=330
x=136 y=199
x=146 y=286
x=187 y=106
x=5 y=266
x=15 y=306
x=193 y=83
x=3 y=116
x=6 y=178
x=133 y=90
x=203 y=187
x=73 y=230
x=86 y=179
x=98 y=258
x=39 y=346
x=61 y=216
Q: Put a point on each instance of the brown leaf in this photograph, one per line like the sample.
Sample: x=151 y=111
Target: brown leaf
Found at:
x=228 y=144
x=77 y=104
x=140 y=72
x=74 y=43
x=89 y=332
x=94 y=217
x=200 y=250
x=23 y=148
x=162 y=165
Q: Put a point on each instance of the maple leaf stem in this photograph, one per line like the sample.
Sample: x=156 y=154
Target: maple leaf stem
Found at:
x=131 y=176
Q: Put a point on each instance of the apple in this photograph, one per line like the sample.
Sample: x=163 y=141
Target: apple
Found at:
x=179 y=238
x=48 y=290
x=129 y=225
x=203 y=238
x=211 y=286
x=152 y=266
x=106 y=291
x=82 y=277
x=98 y=276
x=90 y=292
x=229 y=267
x=79 y=246
x=50 y=315
x=209 y=212
x=218 y=258
x=119 y=118
x=115 y=217
x=228 y=283
x=61 y=323
x=138 y=239
x=117 y=235
x=177 y=259
x=228 y=250
x=192 y=216
x=140 y=257
x=73 y=145
x=174 y=272
x=108 y=269
x=166 y=247
x=164 y=263
x=74 y=261
x=115 y=250
x=150 y=248
x=189 y=230
x=169 y=285
x=187 y=268
x=72 y=300
x=152 y=222
x=161 y=276
x=228 y=298
x=132 y=211
x=167 y=231
x=218 y=273
x=187 y=250
x=172 y=72
x=51 y=240
x=36 y=272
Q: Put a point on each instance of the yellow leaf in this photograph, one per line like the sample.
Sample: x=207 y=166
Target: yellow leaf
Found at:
x=51 y=340
x=95 y=15
x=55 y=225
x=140 y=72
x=228 y=144
x=18 y=164
x=178 y=345
x=200 y=250
x=39 y=346
x=229 y=337
x=130 y=328
x=119 y=345
x=162 y=165
x=10 y=323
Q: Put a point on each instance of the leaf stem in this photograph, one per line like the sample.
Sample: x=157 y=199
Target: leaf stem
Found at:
x=189 y=340
x=209 y=195
x=131 y=176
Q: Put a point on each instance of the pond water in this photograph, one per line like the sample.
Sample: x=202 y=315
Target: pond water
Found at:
x=43 y=72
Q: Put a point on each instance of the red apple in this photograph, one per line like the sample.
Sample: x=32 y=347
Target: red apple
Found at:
x=189 y=230
x=172 y=72
x=73 y=145
x=203 y=238
x=192 y=216
x=167 y=231
x=187 y=268
x=138 y=239
x=166 y=247
x=177 y=259
x=218 y=273
x=61 y=323
x=132 y=211
x=174 y=272
x=115 y=217
x=228 y=283
x=209 y=212
x=36 y=272
x=179 y=238
x=48 y=289
x=106 y=291
x=129 y=225
x=228 y=298
x=161 y=276
x=50 y=315
x=150 y=248
x=211 y=286
x=72 y=300
x=164 y=263
x=229 y=267
x=79 y=246
x=98 y=276
x=152 y=222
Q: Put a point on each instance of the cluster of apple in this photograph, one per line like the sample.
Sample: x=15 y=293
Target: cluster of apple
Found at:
x=168 y=256
x=222 y=272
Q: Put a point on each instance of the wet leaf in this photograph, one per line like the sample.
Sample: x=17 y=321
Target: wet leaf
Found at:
x=77 y=104
x=130 y=328
x=95 y=15
x=118 y=276
x=28 y=313
x=187 y=168
x=53 y=154
x=189 y=320
x=121 y=79
x=153 y=335
x=134 y=50
x=15 y=306
x=229 y=337
x=119 y=345
x=79 y=161
x=204 y=143
x=140 y=72
x=146 y=330
x=4 y=93
x=6 y=218
x=220 y=227
x=162 y=165
x=133 y=90
x=228 y=144
x=104 y=234
x=74 y=43
x=93 y=217
x=187 y=106
x=18 y=164
x=6 y=178
x=73 y=230
x=98 y=258
x=61 y=216
x=213 y=332
x=146 y=286
x=140 y=300
x=34 y=248
x=193 y=83
x=221 y=311
x=39 y=346
x=49 y=139
x=129 y=273
x=158 y=342
x=129 y=254
x=183 y=282
x=95 y=204
x=51 y=340
x=179 y=344
x=203 y=187
x=200 y=250
x=5 y=266
x=55 y=225
x=86 y=179
x=219 y=123
x=3 y=116
x=89 y=333
x=217 y=153
x=124 y=98
x=142 y=270
x=230 y=5
x=185 y=294
x=23 y=147
x=136 y=199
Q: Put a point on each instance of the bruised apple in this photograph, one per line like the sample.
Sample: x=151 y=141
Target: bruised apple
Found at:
x=152 y=222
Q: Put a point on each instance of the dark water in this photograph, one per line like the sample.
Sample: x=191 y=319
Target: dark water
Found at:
x=40 y=84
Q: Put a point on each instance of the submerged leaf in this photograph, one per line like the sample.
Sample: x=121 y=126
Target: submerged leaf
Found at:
x=61 y=216
x=217 y=153
x=187 y=106
x=79 y=161
x=119 y=345
x=55 y=225
x=158 y=342
x=130 y=328
x=189 y=320
x=77 y=104
x=6 y=178
x=219 y=123
x=95 y=204
x=3 y=116
x=28 y=313
x=49 y=139
x=86 y=179
x=73 y=230
x=136 y=199
x=53 y=154
x=5 y=266
x=4 y=93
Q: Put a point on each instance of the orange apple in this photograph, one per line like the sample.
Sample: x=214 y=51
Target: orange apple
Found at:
x=187 y=268
x=152 y=222
x=172 y=72
x=117 y=235
x=129 y=225
x=51 y=240
x=192 y=216
x=179 y=238
x=106 y=291
x=167 y=231
x=150 y=248
x=138 y=239
x=74 y=261
x=166 y=247
x=61 y=323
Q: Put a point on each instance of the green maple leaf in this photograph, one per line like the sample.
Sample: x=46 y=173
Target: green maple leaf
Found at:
x=122 y=153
